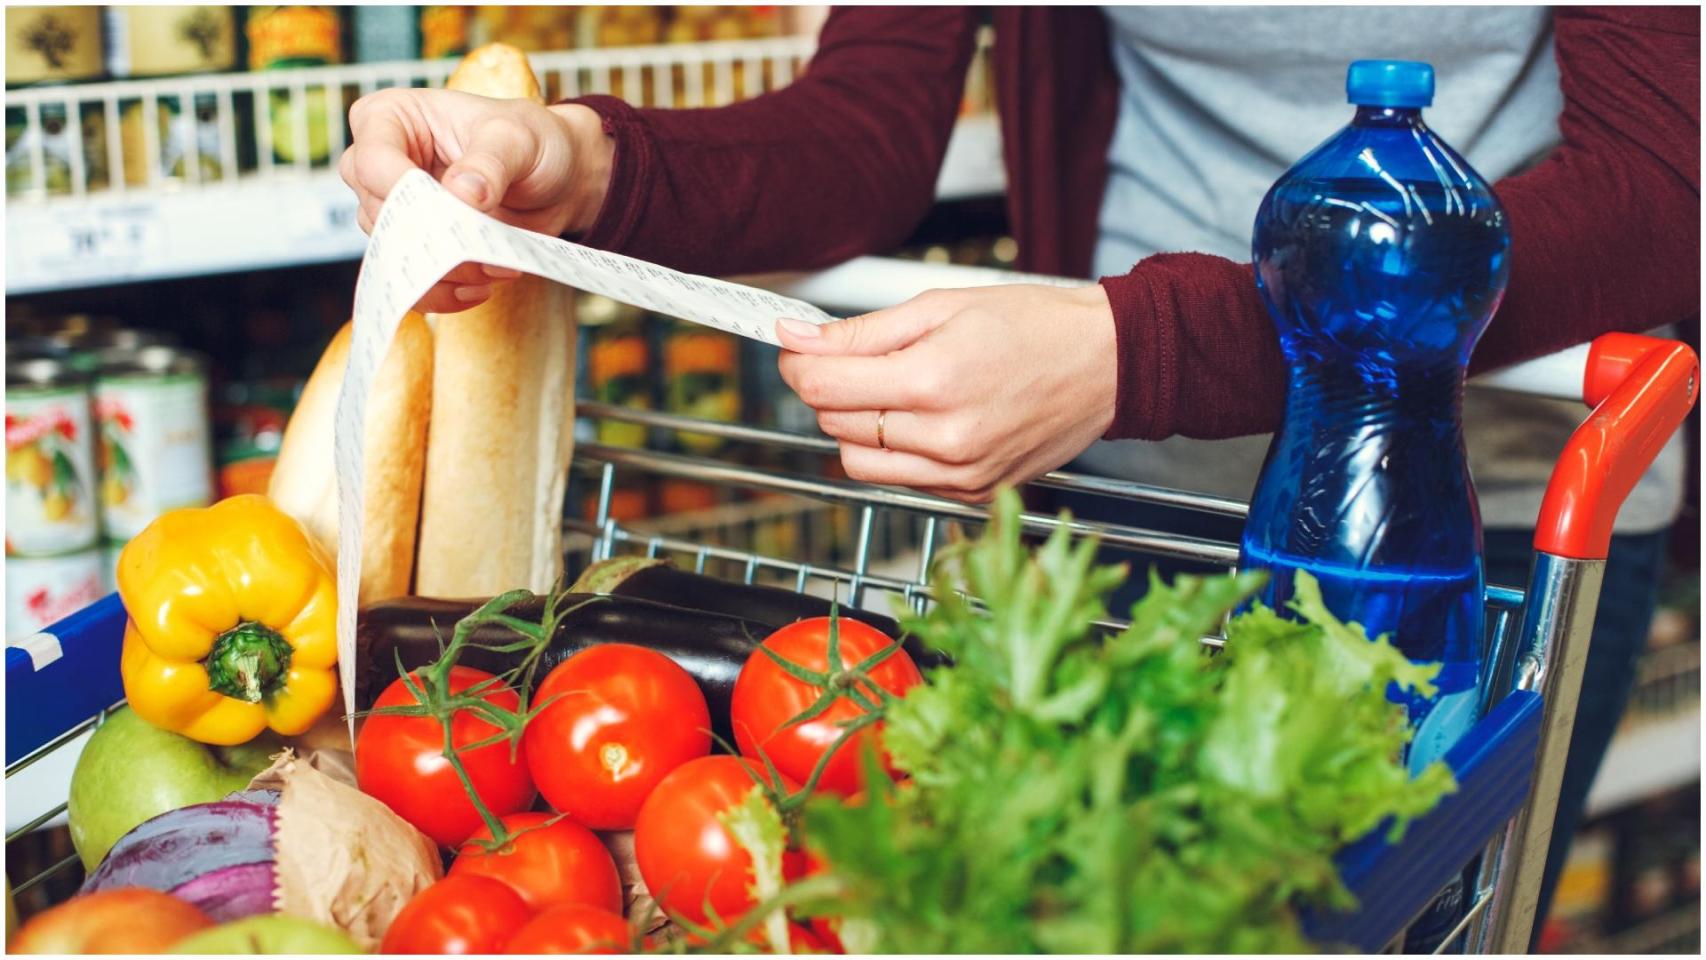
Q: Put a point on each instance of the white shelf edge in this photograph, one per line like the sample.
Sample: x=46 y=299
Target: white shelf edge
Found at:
x=282 y=221
x=1647 y=759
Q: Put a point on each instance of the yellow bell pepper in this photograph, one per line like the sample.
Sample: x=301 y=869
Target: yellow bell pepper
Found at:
x=233 y=623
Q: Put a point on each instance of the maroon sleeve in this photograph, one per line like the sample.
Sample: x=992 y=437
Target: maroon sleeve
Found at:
x=840 y=163
x=1605 y=235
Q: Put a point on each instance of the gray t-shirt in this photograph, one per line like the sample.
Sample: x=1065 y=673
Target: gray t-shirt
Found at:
x=1217 y=102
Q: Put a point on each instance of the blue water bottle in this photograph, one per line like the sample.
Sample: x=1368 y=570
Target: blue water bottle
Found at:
x=1381 y=256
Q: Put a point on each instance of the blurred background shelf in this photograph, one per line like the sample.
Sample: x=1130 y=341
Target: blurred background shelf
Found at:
x=138 y=189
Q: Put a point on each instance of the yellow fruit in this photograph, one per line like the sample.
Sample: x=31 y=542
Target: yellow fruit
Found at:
x=113 y=490
x=33 y=466
x=56 y=505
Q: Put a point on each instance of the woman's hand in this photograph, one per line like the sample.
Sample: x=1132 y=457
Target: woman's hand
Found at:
x=542 y=168
x=982 y=387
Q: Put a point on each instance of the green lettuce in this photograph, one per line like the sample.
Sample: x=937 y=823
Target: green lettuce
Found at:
x=1074 y=792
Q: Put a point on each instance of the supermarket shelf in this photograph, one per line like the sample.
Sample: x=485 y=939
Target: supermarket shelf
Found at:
x=137 y=191
x=100 y=241
x=265 y=222
x=1648 y=758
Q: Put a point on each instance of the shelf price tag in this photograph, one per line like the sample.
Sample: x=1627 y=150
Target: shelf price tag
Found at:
x=102 y=242
x=421 y=234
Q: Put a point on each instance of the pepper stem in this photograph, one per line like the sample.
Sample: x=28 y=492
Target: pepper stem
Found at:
x=248 y=662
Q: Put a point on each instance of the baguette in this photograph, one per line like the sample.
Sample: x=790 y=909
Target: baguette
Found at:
x=304 y=483
x=498 y=453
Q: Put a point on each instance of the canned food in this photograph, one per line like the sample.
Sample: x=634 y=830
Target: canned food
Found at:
x=181 y=136
x=286 y=37
x=52 y=44
x=155 y=454
x=86 y=348
x=703 y=373
x=618 y=367
x=110 y=549
x=50 y=478
x=41 y=591
x=157 y=41
x=54 y=140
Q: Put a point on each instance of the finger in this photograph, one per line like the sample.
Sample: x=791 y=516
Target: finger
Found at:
x=898 y=468
x=500 y=273
x=867 y=335
x=500 y=150
x=442 y=299
x=346 y=168
x=381 y=152
x=467 y=275
x=902 y=429
x=983 y=495
x=363 y=221
x=850 y=383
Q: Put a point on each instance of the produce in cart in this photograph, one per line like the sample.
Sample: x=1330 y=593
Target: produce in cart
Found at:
x=131 y=920
x=231 y=631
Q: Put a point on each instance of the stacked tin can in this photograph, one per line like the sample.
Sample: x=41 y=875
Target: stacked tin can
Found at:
x=106 y=428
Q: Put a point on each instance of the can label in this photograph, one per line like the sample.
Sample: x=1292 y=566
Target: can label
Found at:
x=52 y=136
x=52 y=44
x=145 y=41
x=41 y=591
x=110 y=551
x=444 y=31
x=292 y=36
x=154 y=452
x=50 y=480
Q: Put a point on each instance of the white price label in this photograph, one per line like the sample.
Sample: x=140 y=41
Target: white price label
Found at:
x=421 y=234
x=113 y=238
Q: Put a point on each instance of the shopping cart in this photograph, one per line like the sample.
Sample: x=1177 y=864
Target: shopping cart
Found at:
x=1508 y=766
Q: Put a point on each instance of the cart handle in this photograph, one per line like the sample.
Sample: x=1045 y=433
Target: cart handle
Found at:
x=1640 y=389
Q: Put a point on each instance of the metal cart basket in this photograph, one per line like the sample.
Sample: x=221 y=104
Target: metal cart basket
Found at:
x=61 y=682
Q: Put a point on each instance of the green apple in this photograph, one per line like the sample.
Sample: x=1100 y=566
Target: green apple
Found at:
x=268 y=933
x=131 y=771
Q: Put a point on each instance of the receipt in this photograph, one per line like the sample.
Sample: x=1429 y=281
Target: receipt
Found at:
x=422 y=233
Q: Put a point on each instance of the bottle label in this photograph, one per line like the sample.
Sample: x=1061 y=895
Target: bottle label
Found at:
x=292 y=37
x=1448 y=718
x=444 y=32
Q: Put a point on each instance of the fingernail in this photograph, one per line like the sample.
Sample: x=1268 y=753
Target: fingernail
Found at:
x=470 y=187
x=800 y=329
x=500 y=273
x=472 y=293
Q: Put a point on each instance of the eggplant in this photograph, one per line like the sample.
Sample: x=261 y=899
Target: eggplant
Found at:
x=647 y=578
x=711 y=647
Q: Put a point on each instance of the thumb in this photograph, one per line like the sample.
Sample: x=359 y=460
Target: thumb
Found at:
x=499 y=151
x=867 y=335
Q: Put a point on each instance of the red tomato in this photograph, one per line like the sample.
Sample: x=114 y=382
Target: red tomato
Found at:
x=801 y=939
x=624 y=717
x=766 y=697
x=826 y=929
x=685 y=854
x=401 y=761
x=547 y=865
x=465 y=914
x=573 y=928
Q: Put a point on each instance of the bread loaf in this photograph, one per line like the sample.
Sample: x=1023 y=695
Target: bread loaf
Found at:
x=304 y=483
x=502 y=433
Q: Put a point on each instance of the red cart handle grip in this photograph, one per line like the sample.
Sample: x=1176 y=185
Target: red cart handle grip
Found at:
x=1640 y=389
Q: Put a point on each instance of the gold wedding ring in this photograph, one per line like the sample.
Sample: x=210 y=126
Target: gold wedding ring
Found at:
x=881 y=416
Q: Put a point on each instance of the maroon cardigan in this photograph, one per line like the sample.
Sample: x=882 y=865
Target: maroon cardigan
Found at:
x=843 y=162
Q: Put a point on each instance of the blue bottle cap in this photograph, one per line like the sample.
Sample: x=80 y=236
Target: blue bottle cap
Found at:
x=1390 y=83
